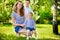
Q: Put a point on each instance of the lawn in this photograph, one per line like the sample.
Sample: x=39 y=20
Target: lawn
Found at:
x=44 y=32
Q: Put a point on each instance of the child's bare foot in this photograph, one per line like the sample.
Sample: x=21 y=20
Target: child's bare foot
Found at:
x=36 y=38
x=30 y=36
x=27 y=38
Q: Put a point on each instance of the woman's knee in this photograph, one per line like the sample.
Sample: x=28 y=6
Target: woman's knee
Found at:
x=22 y=31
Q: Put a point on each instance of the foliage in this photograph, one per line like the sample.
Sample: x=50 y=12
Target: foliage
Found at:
x=41 y=10
x=6 y=10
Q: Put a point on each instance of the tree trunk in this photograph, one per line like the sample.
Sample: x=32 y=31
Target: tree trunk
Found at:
x=55 y=24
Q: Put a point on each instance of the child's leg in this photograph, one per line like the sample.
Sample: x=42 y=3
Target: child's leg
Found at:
x=28 y=32
x=31 y=33
x=34 y=31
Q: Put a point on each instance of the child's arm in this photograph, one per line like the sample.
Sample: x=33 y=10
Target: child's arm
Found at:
x=34 y=24
x=25 y=23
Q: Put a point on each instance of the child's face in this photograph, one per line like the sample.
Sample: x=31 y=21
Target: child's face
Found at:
x=29 y=15
x=27 y=3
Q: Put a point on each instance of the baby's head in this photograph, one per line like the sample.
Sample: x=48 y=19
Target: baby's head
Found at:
x=30 y=15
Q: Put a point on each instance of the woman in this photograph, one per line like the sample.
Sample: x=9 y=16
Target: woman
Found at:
x=18 y=18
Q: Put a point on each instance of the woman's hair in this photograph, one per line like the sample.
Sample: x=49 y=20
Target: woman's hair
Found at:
x=21 y=10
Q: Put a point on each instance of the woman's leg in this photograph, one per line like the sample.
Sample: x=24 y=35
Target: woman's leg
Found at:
x=18 y=35
x=23 y=31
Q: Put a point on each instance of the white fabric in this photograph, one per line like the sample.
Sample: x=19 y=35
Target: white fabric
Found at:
x=27 y=10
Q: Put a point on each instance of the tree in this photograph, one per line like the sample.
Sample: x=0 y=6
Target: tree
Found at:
x=55 y=24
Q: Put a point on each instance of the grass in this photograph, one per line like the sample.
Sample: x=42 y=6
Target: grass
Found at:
x=44 y=32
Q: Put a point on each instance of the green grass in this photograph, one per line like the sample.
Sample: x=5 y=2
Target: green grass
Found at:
x=44 y=32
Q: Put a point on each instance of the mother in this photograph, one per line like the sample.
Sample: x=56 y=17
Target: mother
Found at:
x=18 y=18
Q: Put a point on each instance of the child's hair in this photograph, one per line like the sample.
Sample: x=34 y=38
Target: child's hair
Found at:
x=30 y=13
x=27 y=0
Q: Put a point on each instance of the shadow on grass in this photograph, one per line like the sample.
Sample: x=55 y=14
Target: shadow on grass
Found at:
x=40 y=27
x=13 y=37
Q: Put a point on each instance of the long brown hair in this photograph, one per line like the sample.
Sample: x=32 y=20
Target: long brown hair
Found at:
x=21 y=10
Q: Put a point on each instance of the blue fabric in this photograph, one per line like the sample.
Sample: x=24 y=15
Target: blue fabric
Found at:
x=31 y=29
x=18 y=19
x=18 y=28
x=30 y=23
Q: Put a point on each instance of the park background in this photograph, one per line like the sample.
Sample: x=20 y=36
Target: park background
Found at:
x=43 y=15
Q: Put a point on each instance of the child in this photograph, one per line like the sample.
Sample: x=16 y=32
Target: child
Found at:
x=30 y=25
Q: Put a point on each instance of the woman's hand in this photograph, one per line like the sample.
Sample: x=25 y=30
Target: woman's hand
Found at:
x=23 y=25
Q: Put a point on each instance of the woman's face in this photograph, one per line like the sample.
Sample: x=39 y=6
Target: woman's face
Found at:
x=19 y=5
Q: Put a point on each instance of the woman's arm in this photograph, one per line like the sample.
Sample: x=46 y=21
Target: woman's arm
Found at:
x=13 y=22
x=34 y=24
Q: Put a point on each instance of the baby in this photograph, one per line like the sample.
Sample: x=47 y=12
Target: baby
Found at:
x=30 y=26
